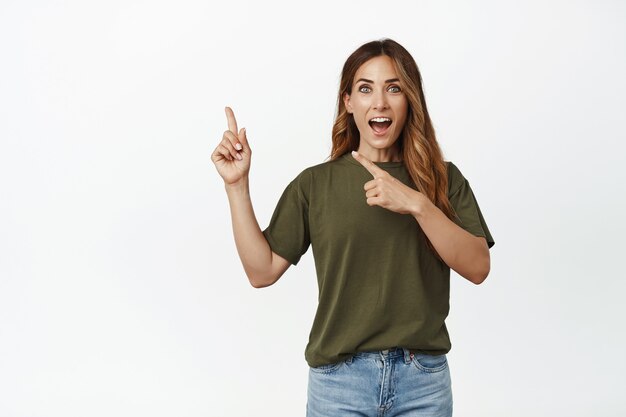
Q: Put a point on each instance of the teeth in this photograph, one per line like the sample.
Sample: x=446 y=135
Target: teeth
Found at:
x=380 y=119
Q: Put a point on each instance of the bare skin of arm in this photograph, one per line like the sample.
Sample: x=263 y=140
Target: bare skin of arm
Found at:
x=467 y=254
x=232 y=160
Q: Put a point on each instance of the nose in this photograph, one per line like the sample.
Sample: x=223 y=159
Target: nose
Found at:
x=380 y=101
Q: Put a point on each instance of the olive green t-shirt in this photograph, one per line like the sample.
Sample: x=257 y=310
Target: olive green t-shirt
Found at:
x=379 y=284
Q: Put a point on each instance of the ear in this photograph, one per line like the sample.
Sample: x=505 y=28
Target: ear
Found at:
x=346 y=102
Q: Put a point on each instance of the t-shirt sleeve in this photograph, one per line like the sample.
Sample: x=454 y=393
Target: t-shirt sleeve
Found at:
x=288 y=230
x=465 y=205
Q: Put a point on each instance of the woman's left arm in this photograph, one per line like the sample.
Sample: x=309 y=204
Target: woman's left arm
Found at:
x=462 y=251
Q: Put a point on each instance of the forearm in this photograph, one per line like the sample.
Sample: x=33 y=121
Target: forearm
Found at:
x=462 y=251
x=252 y=246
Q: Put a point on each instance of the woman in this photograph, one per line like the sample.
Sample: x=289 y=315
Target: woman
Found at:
x=386 y=223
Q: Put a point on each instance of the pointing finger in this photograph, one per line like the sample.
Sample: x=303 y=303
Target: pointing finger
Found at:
x=232 y=122
x=369 y=165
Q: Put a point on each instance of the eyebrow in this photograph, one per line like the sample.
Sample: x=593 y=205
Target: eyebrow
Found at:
x=392 y=80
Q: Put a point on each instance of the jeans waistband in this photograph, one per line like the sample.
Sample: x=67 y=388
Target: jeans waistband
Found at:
x=391 y=352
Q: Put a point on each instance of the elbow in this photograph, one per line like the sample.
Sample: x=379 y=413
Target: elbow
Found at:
x=481 y=274
x=261 y=285
x=478 y=279
x=256 y=283
x=259 y=281
x=480 y=263
x=267 y=276
x=483 y=266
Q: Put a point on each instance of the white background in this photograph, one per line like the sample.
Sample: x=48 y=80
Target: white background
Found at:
x=121 y=291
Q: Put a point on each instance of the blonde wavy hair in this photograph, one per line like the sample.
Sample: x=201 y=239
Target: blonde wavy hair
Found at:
x=417 y=143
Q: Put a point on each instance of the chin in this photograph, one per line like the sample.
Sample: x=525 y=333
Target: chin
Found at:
x=382 y=143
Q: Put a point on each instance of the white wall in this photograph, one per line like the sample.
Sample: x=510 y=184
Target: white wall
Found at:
x=121 y=292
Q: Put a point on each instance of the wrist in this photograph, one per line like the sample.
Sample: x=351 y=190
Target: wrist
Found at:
x=240 y=186
x=421 y=207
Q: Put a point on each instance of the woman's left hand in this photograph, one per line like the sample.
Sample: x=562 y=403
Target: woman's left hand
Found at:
x=388 y=192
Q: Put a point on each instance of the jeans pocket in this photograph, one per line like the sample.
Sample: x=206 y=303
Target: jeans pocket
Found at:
x=430 y=363
x=327 y=368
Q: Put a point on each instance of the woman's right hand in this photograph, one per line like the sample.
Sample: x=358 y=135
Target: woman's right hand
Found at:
x=232 y=155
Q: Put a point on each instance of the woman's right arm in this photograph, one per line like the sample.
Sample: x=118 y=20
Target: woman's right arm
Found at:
x=232 y=160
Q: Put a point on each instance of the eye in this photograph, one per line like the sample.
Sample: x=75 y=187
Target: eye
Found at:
x=394 y=89
x=364 y=89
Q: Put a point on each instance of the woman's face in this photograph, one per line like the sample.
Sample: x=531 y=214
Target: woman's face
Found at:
x=377 y=103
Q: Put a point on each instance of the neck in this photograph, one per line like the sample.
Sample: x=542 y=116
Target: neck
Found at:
x=380 y=155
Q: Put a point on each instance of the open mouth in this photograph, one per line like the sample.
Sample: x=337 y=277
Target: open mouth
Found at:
x=380 y=125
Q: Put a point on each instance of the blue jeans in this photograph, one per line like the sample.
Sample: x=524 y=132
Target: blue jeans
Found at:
x=386 y=383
